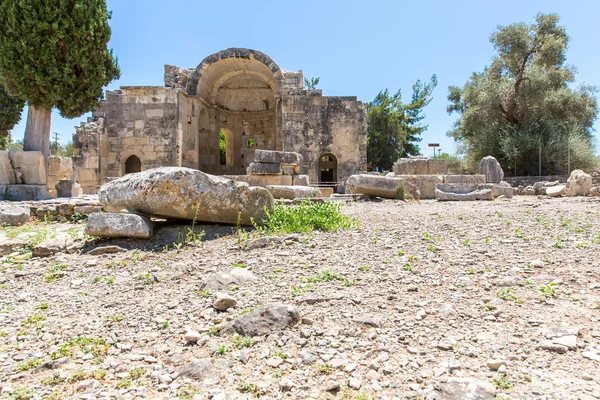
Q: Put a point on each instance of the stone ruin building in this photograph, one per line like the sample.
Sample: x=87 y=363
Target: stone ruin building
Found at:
x=240 y=92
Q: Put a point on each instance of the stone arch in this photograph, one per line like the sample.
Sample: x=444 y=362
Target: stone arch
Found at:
x=203 y=120
x=135 y=160
x=224 y=62
x=327 y=168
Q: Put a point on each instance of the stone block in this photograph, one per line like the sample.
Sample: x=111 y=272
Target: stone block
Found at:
x=425 y=183
x=411 y=166
x=14 y=215
x=278 y=157
x=464 y=179
x=326 y=191
x=556 y=191
x=293 y=192
x=7 y=174
x=436 y=166
x=26 y=192
x=464 y=192
x=119 y=225
x=263 y=169
x=578 y=184
x=32 y=166
x=381 y=186
x=503 y=189
x=300 y=180
x=490 y=167
x=87 y=210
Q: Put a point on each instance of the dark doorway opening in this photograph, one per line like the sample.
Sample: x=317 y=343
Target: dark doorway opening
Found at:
x=133 y=165
x=327 y=168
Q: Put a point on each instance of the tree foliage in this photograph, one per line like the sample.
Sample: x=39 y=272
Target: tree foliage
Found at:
x=522 y=101
x=54 y=53
x=311 y=84
x=10 y=114
x=222 y=147
x=393 y=127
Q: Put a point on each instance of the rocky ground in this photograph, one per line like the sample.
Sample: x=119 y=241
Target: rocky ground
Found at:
x=425 y=300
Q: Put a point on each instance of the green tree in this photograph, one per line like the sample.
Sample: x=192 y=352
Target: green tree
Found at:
x=222 y=147
x=10 y=114
x=393 y=127
x=311 y=84
x=54 y=54
x=522 y=103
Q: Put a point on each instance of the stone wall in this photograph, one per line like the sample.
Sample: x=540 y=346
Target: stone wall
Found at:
x=314 y=125
x=530 y=180
x=59 y=168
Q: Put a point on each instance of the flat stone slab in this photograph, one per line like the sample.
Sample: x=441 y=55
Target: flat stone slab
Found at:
x=293 y=192
x=464 y=179
x=278 y=157
x=14 y=215
x=263 y=169
x=119 y=225
x=464 y=192
x=24 y=192
x=382 y=186
x=420 y=166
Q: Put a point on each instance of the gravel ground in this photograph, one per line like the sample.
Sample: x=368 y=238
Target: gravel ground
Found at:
x=425 y=300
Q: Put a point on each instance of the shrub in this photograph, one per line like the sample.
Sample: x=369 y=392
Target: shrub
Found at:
x=306 y=217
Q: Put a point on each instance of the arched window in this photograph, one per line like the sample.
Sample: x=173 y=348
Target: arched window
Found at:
x=327 y=168
x=225 y=147
x=133 y=165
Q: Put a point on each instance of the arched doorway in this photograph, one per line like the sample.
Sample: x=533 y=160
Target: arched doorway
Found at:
x=133 y=165
x=226 y=147
x=327 y=168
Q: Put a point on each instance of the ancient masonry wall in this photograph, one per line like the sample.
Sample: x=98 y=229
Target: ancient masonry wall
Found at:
x=314 y=125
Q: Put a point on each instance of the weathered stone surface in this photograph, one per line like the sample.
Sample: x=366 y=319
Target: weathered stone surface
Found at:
x=556 y=191
x=425 y=184
x=265 y=320
x=31 y=164
x=411 y=166
x=595 y=191
x=185 y=193
x=118 y=225
x=24 y=192
x=14 y=215
x=7 y=174
x=578 y=184
x=381 y=186
x=503 y=189
x=86 y=210
x=467 y=388
x=223 y=280
x=52 y=246
x=278 y=157
x=223 y=302
x=300 y=180
x=436 y=166
x=463 y=192
x=263 y=169
x=293 y=192
x=464 y=179
x=490 y=167
x=208 y=371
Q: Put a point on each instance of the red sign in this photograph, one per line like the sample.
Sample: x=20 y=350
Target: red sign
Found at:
x=434 y=145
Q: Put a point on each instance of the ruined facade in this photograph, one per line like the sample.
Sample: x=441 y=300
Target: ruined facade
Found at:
x=240 y=94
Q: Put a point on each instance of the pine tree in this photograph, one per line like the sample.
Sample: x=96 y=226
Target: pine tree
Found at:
x=54 y=54
x=10 y=114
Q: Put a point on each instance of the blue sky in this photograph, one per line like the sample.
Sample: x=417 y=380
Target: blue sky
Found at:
x=355 y=47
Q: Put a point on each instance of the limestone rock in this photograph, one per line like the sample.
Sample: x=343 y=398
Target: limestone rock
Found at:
x=556 y=191
x=490 y=167
x=118 y=225
x=277 y=157
x=503 y=189
x=381 y=186
x=263 y=169
x=223 y=302
x=425 y=184
x=7 y=174
x=26 y=192
x=464 y=179
x=222 y=280
x=31 y=164
x=420 y=166
x=293 y=192
x=14 y=215
x=463 y=192
x=467 y=388
x=86 y=210
x=206 y=371
x=265 y=320
x=184 y=193
x=578 y=184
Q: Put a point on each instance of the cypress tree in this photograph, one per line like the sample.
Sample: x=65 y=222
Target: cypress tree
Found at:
x=53 y=53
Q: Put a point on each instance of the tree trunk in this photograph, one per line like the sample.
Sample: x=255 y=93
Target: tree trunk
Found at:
x=37 y=131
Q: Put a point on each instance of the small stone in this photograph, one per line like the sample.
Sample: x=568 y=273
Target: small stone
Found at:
x=537 y=264
x=223 y=302
x=192 y=336
x=444 y=346
x=332 y=386
x=354 y=383
x=412 y=288
x=285 y=385
x=569 y=341
x=591 y=356
x=553 y=347
x=373 y=375
x=338 y=363
x=274 y=362
x=494 y=364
